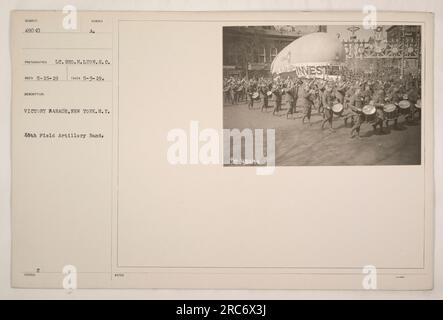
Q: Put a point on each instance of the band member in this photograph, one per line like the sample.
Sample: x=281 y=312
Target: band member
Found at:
x=349 y=92
x=348 y=112
x=320 y=92
x=340 y=92
x=236 y=92
x=240 y=91
x=291 y=94
x=378 y=102
x=356 y=104
x=309 y=102
x=303 y=100
x=226 y=93
x=264 y=92
x=232 y=93
x=413 y=94
x=328 y=101
x=418 y=108
x=394 y=97
x=366 y=94
x=379 y=118
x=278 y=96
x=389 y=100
x=250 y=92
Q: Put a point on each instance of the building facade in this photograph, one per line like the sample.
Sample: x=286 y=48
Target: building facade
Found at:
x=398 y=53
x=249 y=51
x=409 y=33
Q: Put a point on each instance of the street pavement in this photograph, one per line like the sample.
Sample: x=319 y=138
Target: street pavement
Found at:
x=300 y=144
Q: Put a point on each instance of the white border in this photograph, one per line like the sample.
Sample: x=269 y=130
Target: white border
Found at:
x=6 y=292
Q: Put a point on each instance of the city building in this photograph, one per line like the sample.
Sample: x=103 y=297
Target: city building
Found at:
x=249 y=51
x=396 y=33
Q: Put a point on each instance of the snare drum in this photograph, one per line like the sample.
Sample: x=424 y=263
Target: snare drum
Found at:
x=269 y=93
x=337 y=108
x=390 y=111
x=404 y=107
x=255 y=95
x=369 y=112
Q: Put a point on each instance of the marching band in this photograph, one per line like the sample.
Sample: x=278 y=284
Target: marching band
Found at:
x=355 y=97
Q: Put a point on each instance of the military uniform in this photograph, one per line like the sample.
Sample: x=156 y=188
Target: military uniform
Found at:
x=413 y=98
x=264 y=92
x=303 y=100
x=378 y=101
x=291 y=99
x=251 y=90
x=356 y=105
x=328 y=100
x=278 y=96
x=340 y=93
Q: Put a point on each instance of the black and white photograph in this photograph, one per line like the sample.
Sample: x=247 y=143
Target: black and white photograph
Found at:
x=334 y=94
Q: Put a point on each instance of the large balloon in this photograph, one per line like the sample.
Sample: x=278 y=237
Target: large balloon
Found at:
x=310 y=55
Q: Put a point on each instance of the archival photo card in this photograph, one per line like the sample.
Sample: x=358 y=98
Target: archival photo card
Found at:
x=215 y=150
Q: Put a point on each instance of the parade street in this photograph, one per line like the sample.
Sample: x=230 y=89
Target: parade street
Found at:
x=302 y=144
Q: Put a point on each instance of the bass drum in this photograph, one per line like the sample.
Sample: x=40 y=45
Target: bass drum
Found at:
x=369 y=112
x=337 y=108
x=390 y=111
x=404 y=107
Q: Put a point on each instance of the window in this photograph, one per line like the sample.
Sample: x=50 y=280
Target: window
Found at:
x=262 y=55
x=273 y=54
